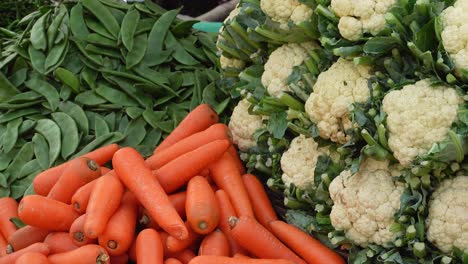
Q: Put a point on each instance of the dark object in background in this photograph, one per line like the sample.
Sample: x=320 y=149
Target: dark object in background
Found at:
x=11 y=10
x=191 y=8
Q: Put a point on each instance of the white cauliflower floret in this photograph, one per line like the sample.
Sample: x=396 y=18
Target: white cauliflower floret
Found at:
x=455 y=33
x=231 y=63
x=299 y=161
x=417 y=117
x=334 y=92
x=282 y=11
x=243 y=125
x=365 y=203
x=447 y=222
x=361 y=16
x=281 y=64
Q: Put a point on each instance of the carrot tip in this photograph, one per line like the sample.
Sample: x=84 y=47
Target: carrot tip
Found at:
x=112 y=244
x=92 y=165
x=233 y=221
x=79 y=236
x=102 y=258
x=76 y=205
x=202 y=225
x=9 y=249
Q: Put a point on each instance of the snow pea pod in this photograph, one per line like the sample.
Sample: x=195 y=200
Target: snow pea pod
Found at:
x=110 y=120
x=25 y=154
x=123 y=124
x=45 y=89
x=7 y=89
x=68 y=78
x=115 y=4
x=6 y=117
x=78 y=114
x=37 y=59
x=19 y=187
x=28 y=168
x=24 y=97
x=129 y=26
x=138 y=51
x=8 y=106
x=41 y=150
x=152 y=138
x=100 y=126
x=11 y=134
x=154 y=7
x=51 y=131
x=90 y=98
x=104 y=15
x=157 y=36
x=56 y=54
x=69 y=132
x=38 y=33
x=180 y=54
x=118 y=14
x=97 y=142
x=99 y=40
x=53 y=28
x=131 y=91
x=102 y=51
x=134 y=112
x=26 y=126
x=89 y=76
x=97 y=27
x=77 y=22
x=145 y=25
x=135 y=132
x=96 y=59
x=115 y=96
x=19 y=77
x=65 y=92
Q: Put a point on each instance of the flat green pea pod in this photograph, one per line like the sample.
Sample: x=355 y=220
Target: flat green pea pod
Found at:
x=6 y=117
x=77 y=22
x=180 y=54
x=90 y=98
x=157 y=36
x=25 y=154
x=138 y=51
x=37 y=59
x=103 y=51
x=38 y=33
x=51 y=131
x=129 y=26
x=45 y=89
x=41 y=150
x=78 y=114
x=11 y=134
x=115 y=96
x=56 y=56
x=135 y=132
x=68 y=78
x=115 y=4
x=69 y=132
x=100 y=40
x=104 y=15
x=100 y=126
x=53 y=28
x=7 y=90
x=28 y=168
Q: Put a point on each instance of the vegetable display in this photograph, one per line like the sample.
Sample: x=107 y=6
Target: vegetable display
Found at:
x=354 y=114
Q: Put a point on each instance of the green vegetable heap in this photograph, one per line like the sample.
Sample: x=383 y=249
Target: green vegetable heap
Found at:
x=355 y=114
x=77 y=76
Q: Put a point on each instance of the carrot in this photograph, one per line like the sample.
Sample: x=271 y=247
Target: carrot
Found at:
x=46 y=213
x=310 y=249
x=80 y=199
x=131 y=169
x=119 y=232
x=32 y=258
x=3 y=246
x=179 y=171
x=240 y=256
x=215 y=244
x=103 y=202
x=172 y=261
x=79 y=172
x=8 y=210
x=132 y=251
x=184 y=256
x=233 y=152
x=85 y=254
x=164 y=235
x=177 y=200
x=45 y=180
x=227 y=210
x=122 y=259
x=228 y=260
x=259 y=199
x=197 y=120
x=259 y=241
x=201 y=206
x=105 y=170
x=173 y=245
x=59 y=242
x=36 y=247
x=149 y=248
x=77 y=233
x=205 y=173
x=190 y=143
x=25 y=237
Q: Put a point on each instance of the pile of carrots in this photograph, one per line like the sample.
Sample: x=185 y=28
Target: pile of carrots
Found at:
x=190 y=202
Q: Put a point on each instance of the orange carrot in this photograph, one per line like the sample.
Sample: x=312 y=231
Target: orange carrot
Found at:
x=172 y=261
x=233 y=152
x=228 y=260
x=32 y=258
x=42 y=212
x=177 y=200
x=131 y=169
x=3 y=246
x=179 y=171
x=197 y=120
x=37 y=247
x=227 y=210
x=149 y=248
x=103 y=202
x=259 y=241
x=25 y=237
x=173 y=245
x=240 y=256
x=80 y=199
x=184 y=256
x=85 y=254
x=79 y=172
x=215 y=244
x=45 y=180
x=77 y=233
x=205 y=173
x=122 y=259
x=201 y=206
x=8 y=210
x=132 y=251
x=227 y=177
x=118 y=235
x=259 y=199
x=105 y=170
x=59 y=242
x=190 y=143
x=164 y=235
x=310 y=249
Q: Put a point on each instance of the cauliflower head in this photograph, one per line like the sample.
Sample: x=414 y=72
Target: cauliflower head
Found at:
x=361 y=16
x=299 y=161
x=455 y=34
x=283 y=11
x=231 y=63
x=447 y=222
x=336 y=89
x=417 y=117
x=281 y=64
x=243 y=125
x=365 y=203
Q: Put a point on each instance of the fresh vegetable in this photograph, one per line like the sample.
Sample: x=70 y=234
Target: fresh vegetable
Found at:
x=59 y=242
x=227 y=260
x=77 y=232
x=84 y=254
x=36 y=247
x=80 y=198
x=8 y=210
x=201 y=206
x=149 y=248
x=259 y=199
x=32 y=258
x=174 y=245
x=215 y=244
x=25 y=237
